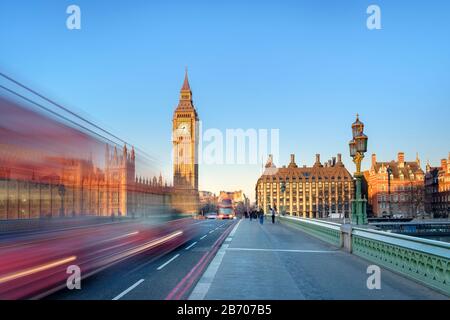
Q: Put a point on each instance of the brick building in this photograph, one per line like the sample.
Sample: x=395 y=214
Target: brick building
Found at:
x=437 y=189
x=395 y=187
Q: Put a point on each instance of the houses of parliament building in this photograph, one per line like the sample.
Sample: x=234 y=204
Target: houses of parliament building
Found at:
x=319 y=191
x=47 y=168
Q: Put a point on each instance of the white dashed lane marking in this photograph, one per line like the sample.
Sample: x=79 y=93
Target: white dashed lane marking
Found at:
x=191 y=245
x=169 y=261
x=128 y=290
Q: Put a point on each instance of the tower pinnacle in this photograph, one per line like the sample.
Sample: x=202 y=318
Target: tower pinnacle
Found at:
x=186 y=86
x=186 y=95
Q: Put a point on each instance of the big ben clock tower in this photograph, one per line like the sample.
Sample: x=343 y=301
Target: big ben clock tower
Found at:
x=185 y=151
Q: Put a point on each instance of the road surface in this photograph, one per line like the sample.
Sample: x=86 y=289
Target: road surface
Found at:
x=142 y=278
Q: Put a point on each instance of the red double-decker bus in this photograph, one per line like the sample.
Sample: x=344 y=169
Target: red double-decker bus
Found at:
x=226 y=210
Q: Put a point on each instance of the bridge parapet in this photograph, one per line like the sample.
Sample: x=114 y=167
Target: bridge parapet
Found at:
x=425 y=261
x=327 y=231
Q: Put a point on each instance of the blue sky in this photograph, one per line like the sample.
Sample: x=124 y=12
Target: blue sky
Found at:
x=305 y=67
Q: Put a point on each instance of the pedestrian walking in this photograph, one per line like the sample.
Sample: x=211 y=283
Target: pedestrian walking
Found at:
x=272 y=211
x=261 y=216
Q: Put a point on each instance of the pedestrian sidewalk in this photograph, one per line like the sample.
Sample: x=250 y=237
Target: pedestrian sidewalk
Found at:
x=275 y=261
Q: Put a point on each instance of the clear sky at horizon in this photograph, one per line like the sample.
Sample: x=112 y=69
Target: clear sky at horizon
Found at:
x=304 y=67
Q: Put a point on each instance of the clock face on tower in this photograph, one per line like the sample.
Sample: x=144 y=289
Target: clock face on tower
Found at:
x=184 y=129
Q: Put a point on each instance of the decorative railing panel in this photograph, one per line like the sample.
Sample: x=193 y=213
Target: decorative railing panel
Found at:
x=426 y=261
x=326 y=231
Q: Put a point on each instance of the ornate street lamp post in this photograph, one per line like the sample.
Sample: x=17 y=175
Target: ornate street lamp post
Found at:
x=358 y=146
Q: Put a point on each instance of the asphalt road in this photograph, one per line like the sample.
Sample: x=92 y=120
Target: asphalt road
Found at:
x=145 y=278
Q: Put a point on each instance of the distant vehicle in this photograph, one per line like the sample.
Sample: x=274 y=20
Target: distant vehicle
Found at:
x=211 y=215
x=336 y=215
x=226 y=210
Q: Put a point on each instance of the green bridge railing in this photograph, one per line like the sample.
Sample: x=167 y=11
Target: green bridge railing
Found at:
x=425 y=261
x=327 y=231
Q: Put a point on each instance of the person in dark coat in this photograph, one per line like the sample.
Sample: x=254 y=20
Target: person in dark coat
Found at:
x=261 y=216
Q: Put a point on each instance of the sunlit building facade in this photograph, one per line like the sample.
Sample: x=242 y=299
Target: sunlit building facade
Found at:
x=321 y=191
x=395 y=187
x=241 y=203
x=235 y=196
x=207 y=197
x=185 y=139
x=79 y=188
x=49 y=168
x=437 y=189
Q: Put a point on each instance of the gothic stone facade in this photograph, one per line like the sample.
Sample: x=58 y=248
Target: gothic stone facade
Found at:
x=78 y=188
x=185 y=135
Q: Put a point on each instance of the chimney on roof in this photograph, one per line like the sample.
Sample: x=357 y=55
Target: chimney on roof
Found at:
x=292 y=164
x=269 y=163
x=339 y=158
x=317 y=164
x=401 y=159
x=334 y=161
x=374 y=159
